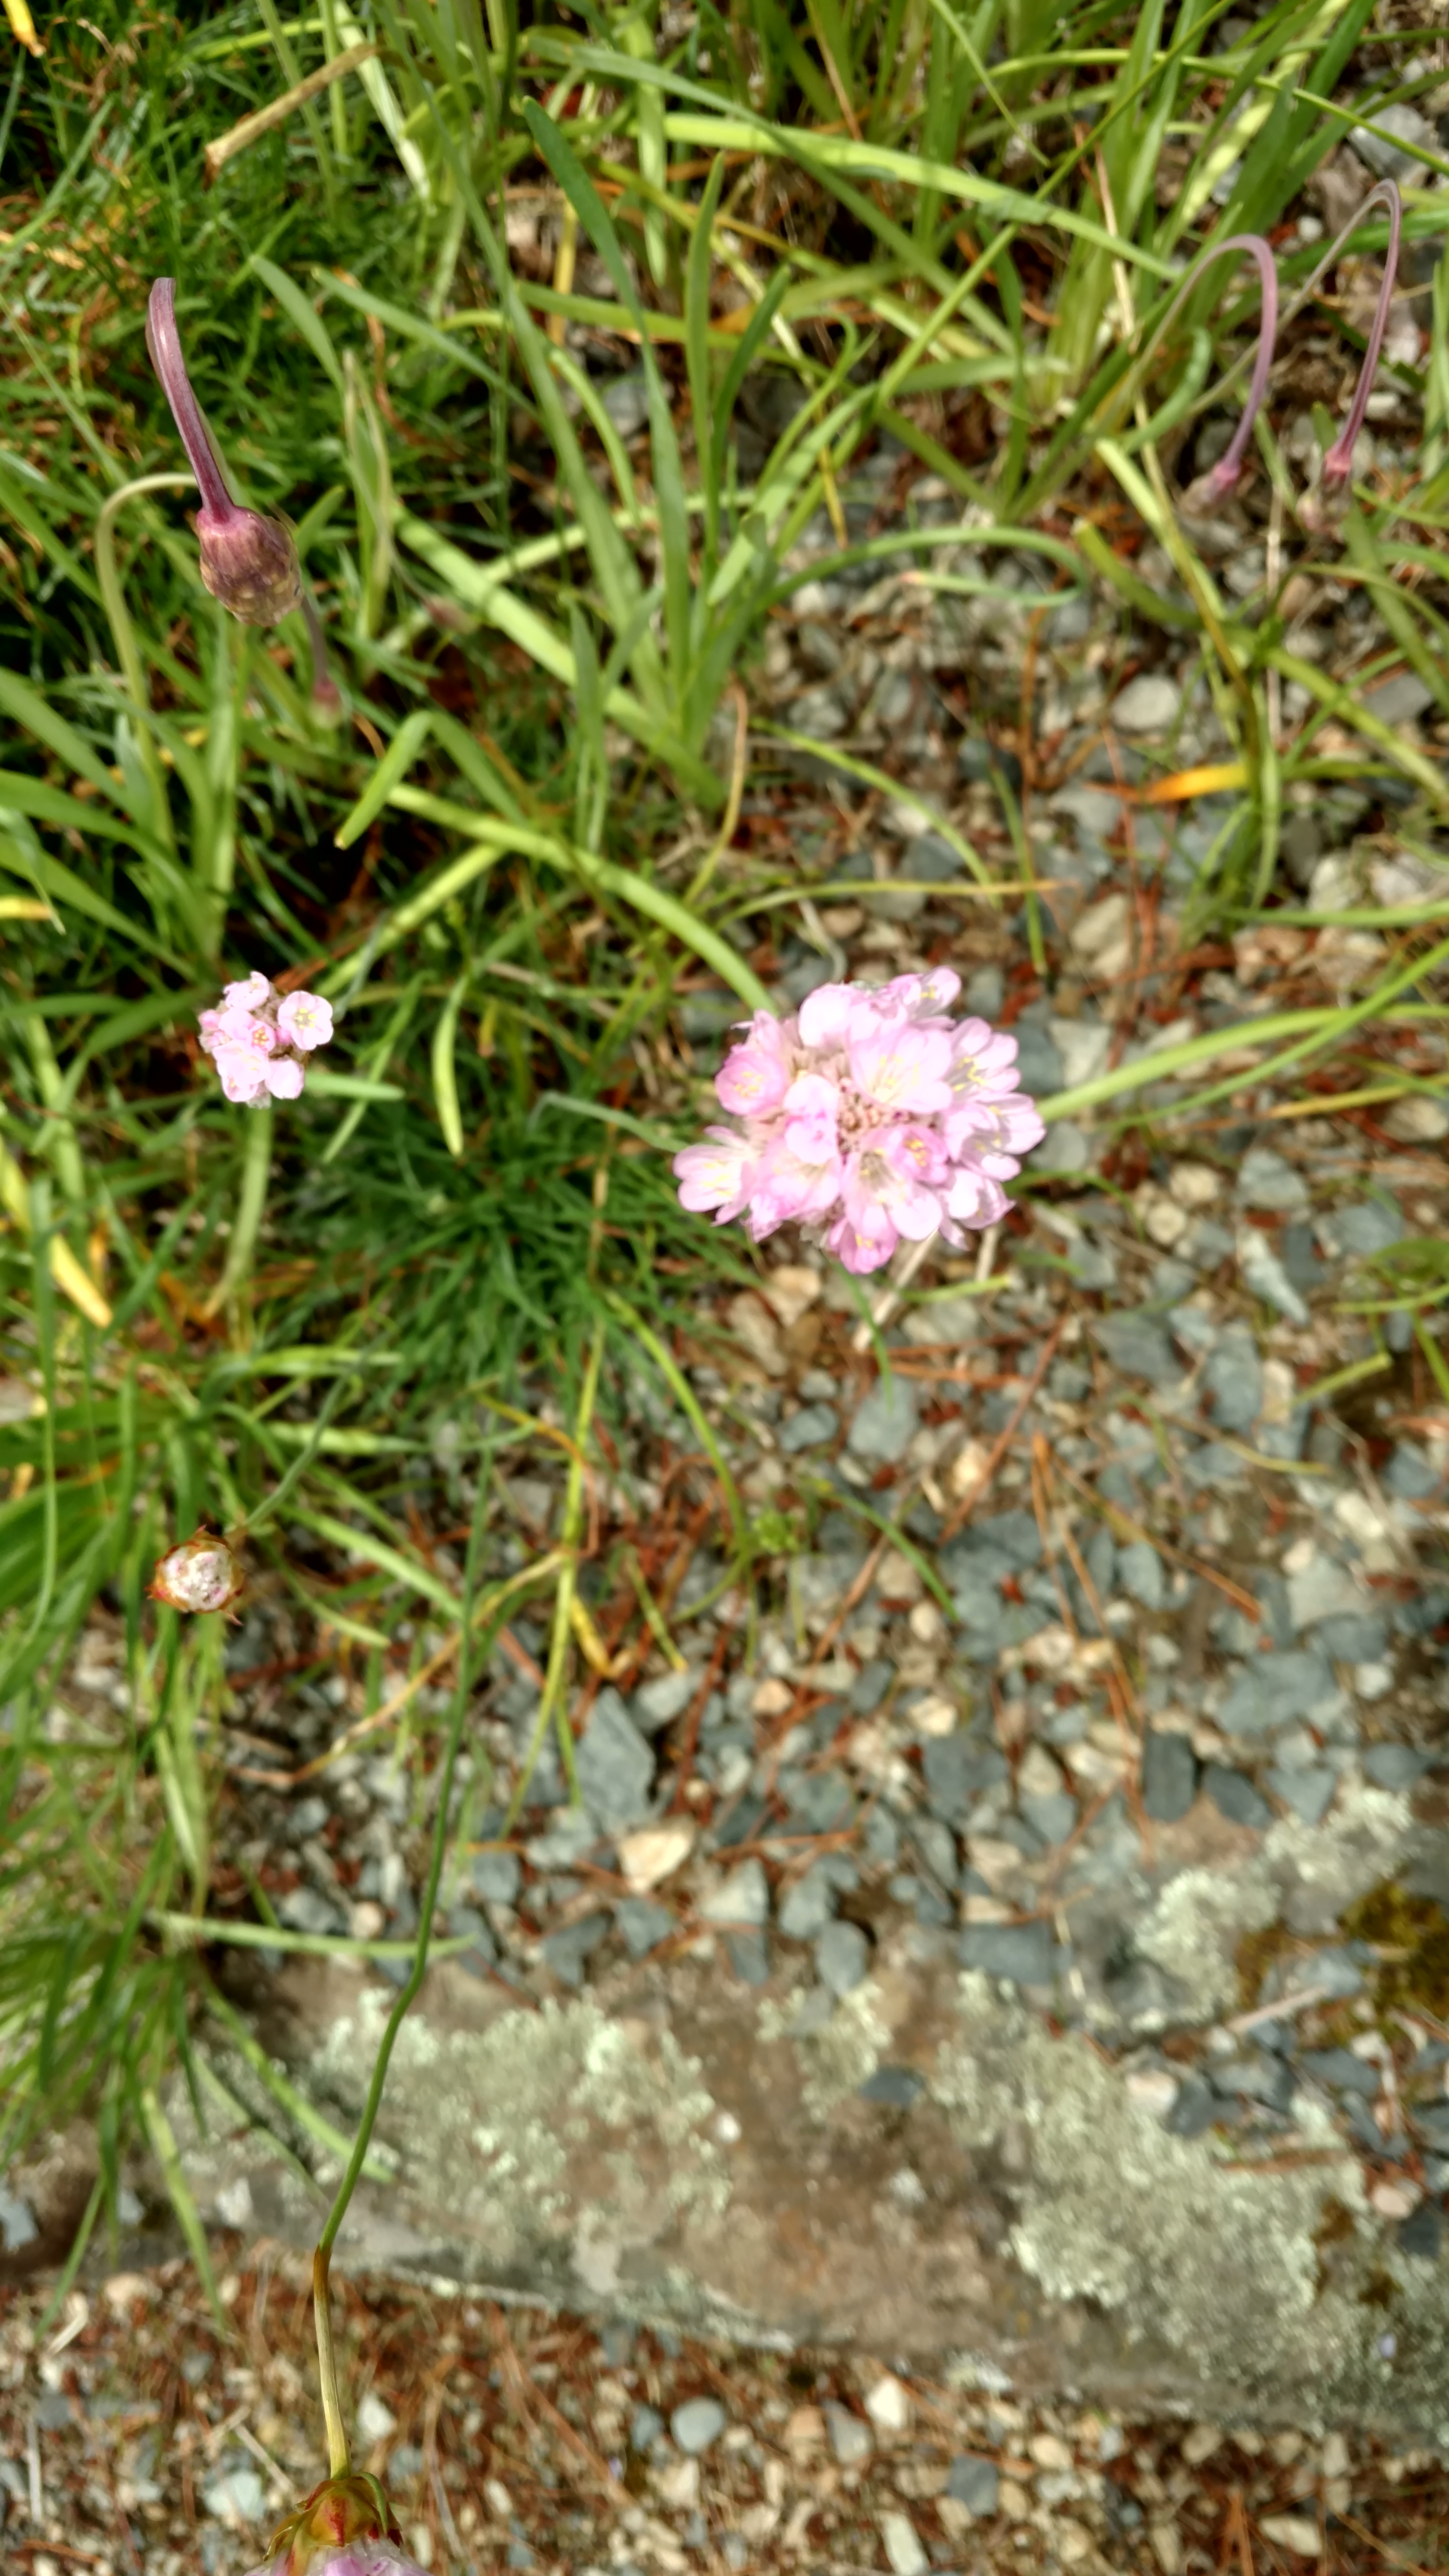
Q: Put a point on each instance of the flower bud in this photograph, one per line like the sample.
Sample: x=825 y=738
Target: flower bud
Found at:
x=247 y=562
x=250 y=564
x=345 y=2528
x=201 y=1574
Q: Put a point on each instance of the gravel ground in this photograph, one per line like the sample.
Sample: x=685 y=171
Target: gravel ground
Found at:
x=132 y=2439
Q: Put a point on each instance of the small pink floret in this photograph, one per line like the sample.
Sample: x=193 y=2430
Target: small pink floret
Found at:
x=305 y=1021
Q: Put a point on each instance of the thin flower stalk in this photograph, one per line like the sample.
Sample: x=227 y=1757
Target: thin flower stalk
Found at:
x=248 y=562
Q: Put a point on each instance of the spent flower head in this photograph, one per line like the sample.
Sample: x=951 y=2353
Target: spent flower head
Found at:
x=870 y=1117
x=200 y=1574
x=345 y=2528
x=260 y=1040
x=247 y=562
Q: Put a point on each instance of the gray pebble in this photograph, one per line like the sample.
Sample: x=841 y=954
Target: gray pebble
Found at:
x=974 y=2482
x=808 y=1906
x=1266 y=1181
x=1370 y=1225
x=305 y=1910
x=645 y=2428
x=1053 y=1815
x=1139 y=1571
x=1263 y=1275
x=1023 y=1954
x=1308 y=1791
x=1257 y=2076
x=1169 y=1775
x=936 y=1845
x=236 y=2493
x=1235 y=1797
x=1337 y=1971
x=1354 y=1636
x=697 y=2423
x=870 y=1686
x=1138 y=1344
x=886 y=1422
x=1233 y=1377
x=1274 y=1688
x=1038 y=1065
x=626 y=400
x=657 y=1703
x=308 y=1818
x=850 y=2439
x=1422 y=2232
x=749 y=1955
x=566 y=1951
x=842 y=1957
x=642 y=1926
x=810 y=1428
x=742 y=1898
x=896 y=2087
x=17 y=2221
x=1196 y=2108
x=1213 y=1466
x=615 y=1763
x=1395 y=1766
x=1206 y=1244
x=1341 y=2071
x=497 y=1876
x=1409 y=1476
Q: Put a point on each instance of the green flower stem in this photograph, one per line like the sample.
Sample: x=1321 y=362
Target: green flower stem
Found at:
x=337 y=2450
x=127 y=650
x=250 y=1209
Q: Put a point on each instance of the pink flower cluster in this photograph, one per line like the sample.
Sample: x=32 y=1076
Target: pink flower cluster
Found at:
x=868 y=1116
x=260 y=1045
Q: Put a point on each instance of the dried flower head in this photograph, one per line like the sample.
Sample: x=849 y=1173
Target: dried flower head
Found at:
x=247 y=562
x=200 y=1574
x=870 y=1117
x=260 y=1041
x=346 y=2528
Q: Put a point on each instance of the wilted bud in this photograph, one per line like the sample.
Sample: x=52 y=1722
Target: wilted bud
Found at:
x=201 y=1574
x=345 y=2528
x=247 y=562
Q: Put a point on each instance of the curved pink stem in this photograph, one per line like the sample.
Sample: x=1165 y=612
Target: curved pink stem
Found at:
x=164 y=342
x=1223 y=476
x=1338 y=463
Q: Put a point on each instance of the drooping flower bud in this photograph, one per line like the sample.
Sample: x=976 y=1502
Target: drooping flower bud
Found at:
x=345 y=2528
x=200 y=1574
x=247 y=562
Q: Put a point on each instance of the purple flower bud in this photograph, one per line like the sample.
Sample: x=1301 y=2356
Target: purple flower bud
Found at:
x=247 y=562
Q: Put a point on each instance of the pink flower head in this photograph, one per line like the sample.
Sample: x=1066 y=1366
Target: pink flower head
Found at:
x=870 y=1118
x=305 y=1021
x=755 y=1076
x=718 y=1174
x=354 y=2558
x=200 y=1574
x=260 y=1044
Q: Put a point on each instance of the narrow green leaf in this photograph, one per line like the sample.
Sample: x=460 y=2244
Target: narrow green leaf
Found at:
x=445 y=1069
x=394 y=765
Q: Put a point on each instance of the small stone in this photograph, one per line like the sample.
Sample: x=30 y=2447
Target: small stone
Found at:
x=1049 y=2451
x=757 y=1332
x=1200 y=2443
x=1233 y=1378
x=1273 y=1689
x=566 y=1951
x=1394 y=2199
x=17 y=2221
x=743 y=1897
x=792 y=1290
x=1294 y=2532
x=1169 y=1775
x=851 y=2441
x=1417 y=1120
x=238 y=2495
x=615 y=1763
x=1022 y=1954
x=1367 y=1226
x=808 y=1906
x=842 y=1957
x=496 y=1876
x=1266 y=1181
x=659 y=1702
x=1194 y=1185
x=375 y=2420
x=1153 y=2089
x=1388 y=160
x=304 y=1909
x=646 y=2427
x=642 y=1926
x=885 y=1423
x=697 y=2423
x=810 y=1428
x=1139 y=1571
x=897 y=2088
x=1054 y=1817
x=1395 y=1766
x=974 y=2482
x=1138 y=1344
x=749 y=1956
x=1166 y=2547
x=1409 y=1475
x=1149 y=704
x=1235 y=1797
x=903 y=2545
x=1307 y=1790
x=949 y=1320
x=1422 y=2233
x=1264 y=1276
x=1074 y=2542
x=654 y=1853
x=888 y=2404
x=1196 y=2108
